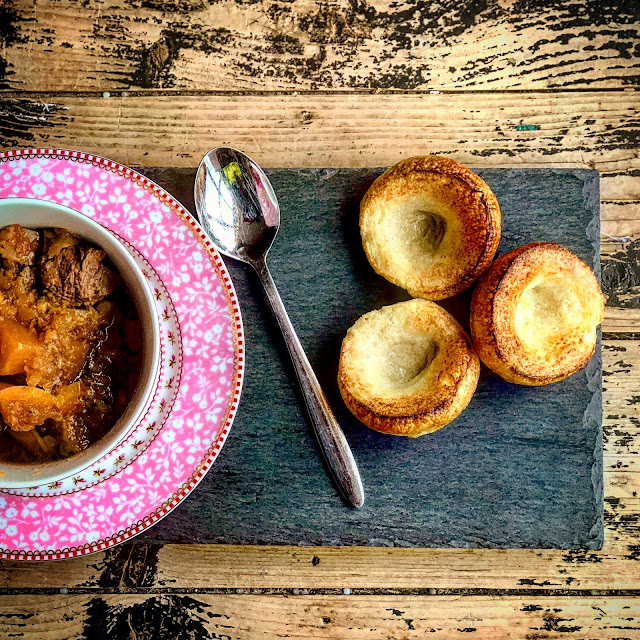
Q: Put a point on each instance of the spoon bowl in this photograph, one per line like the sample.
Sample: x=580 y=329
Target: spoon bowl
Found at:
x=236 y=204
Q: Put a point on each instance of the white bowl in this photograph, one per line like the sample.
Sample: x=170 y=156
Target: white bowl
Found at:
x=37 y=214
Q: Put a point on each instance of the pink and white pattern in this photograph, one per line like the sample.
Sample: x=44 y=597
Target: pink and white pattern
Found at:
x=199 y=385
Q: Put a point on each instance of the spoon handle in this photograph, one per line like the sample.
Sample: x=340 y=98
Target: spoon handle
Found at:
x=332 y=441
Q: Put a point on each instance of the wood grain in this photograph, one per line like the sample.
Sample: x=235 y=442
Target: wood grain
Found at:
x=354 y=131
x=270 y=45
x=594 y=130
x=248 y=617
x=622 y=321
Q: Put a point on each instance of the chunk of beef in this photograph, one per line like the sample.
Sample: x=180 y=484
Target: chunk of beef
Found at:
x=77 y=276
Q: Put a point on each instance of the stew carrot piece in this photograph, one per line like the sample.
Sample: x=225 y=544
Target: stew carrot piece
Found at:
x=23 y=408
x=18 y=346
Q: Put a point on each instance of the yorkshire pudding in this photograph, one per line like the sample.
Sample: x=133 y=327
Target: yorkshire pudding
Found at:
x=430 y=225
x=407 y=369
x=534 y=314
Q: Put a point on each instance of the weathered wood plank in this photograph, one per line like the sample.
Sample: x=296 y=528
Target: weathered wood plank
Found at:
x=210 y=566
x=620 y=221
x=182 y=567
x=315 y=44
x=621 y=271
x=281 y=566
x=247 y=617
x=598 y=130
x=396 y=568
x=169 y=131
x=621 y=321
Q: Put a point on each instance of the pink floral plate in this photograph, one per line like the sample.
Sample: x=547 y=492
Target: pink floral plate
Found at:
x=198 y=387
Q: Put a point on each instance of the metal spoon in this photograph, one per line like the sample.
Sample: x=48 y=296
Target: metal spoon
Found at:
x=240 y=214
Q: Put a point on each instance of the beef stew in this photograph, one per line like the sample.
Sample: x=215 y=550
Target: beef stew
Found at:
x=70 y=345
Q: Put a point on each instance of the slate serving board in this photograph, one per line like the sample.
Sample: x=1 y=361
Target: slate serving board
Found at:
x=521 y=467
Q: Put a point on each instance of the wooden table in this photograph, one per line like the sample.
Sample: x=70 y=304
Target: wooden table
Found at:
x=348 y=83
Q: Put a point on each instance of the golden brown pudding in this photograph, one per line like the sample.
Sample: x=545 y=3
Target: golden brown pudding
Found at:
x=407 y=369
x=430 y=225
x=534 y=314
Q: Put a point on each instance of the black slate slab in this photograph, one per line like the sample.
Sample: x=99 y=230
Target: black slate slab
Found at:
x=521 y=467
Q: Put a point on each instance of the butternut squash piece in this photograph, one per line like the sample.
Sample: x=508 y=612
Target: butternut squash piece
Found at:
x=61 y=240
x=57 y=363
x=18 y=346
x=23 y=408
x=69 y=399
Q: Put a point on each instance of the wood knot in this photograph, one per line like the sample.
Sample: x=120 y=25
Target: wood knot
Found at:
x=306 y=117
